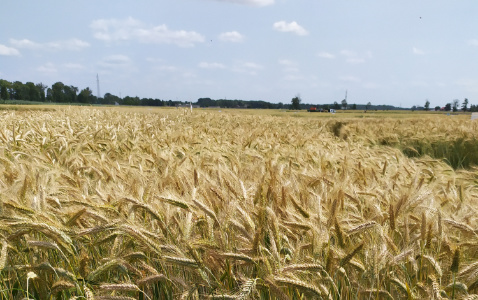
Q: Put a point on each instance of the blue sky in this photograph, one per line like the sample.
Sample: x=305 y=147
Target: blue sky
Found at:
x=386 y=52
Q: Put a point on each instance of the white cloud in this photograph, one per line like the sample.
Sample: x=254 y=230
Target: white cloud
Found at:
x=131 y=29
x=473 y=42
x=8 y=51
x=289 y=66
x=353 y=58
x=247 y=67
x=114 y=61
x=73 y=66
x=251 y=65
x=47 y=68
x=417 y=51
x=293 y=27
x=70 y=44
x=286 y=62
x=326 y=55
x=168 y=68
x=24 y=43
x=214 y=65
x=231 y=36
x=250 y=2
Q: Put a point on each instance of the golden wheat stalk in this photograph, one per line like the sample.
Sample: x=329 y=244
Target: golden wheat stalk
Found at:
x=119 y=287
x=112 y=263
x=349 y=256
x=236 y=256
x=181 y=261
x=152 y=279
x=362 y=227
x=247 y=289
x=4 y=255
x=206 y=210
x=303 y=267
x=61 y=285
x=461 y=226
x=299 y=285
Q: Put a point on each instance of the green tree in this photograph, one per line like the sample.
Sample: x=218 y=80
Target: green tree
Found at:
x=20 y=91
x=336 y=105
x=295 y=103
x=49 y=95
x=456 y=102
x=464 y=106
x=33 y=94
x=427 y=105
x=354 y=106
x=70 y=93
x=85 y=96
x=57 y=92
x=41 y=90
x=3 y=93
x=368 y=105
x=109 y=99
x=4 y=86
x=448 y=107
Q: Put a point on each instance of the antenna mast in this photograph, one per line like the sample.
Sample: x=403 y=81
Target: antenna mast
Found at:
x=97 y=86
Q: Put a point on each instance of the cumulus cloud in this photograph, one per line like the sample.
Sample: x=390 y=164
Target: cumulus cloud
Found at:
x=114 y=61
x=231 y=36
x=292 y=27
x=352 y=57
x=473 y=42
x=73 y=66
x=250 y=2
x=214 y=65
x=247 y=67
x=289 y=66
x=355 y=60
x=251 y=65
x=70 y=44
x=111 y=30
x=8 y=51
x=417 y=51
x=286 y=62
x=48 y=68
x=168 y=68
x=326 y=55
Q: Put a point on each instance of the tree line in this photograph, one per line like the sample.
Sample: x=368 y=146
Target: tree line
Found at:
x=62 y=93
x=453 y=106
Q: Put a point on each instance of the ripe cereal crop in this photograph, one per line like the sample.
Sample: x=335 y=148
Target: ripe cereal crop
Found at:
x=125 y=203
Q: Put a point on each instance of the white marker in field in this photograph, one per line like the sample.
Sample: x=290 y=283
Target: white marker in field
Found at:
x=191 y=106
x=474 y=116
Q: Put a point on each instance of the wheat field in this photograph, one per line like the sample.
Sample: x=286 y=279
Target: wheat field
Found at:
x=116 y=203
